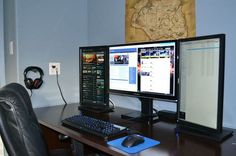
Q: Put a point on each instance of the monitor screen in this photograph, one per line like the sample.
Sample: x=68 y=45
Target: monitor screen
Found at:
x=93 y=78
x=201 y=76
x=143 y=69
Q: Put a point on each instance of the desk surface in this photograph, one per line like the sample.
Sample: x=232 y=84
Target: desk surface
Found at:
x=171 y=144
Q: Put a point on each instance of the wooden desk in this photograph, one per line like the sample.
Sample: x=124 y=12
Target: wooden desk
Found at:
x=171 y=144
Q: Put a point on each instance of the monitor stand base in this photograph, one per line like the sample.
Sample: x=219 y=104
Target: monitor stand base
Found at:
x=138 y=116
x=97 y=110
x=218 y=137
x=146 y=113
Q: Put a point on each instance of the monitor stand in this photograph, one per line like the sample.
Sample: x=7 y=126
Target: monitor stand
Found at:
x=217 y=136
x=95 y=109
x=146 y=114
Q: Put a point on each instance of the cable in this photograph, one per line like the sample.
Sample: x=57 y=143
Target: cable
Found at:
x=60 y=88
x=62 y=112
x=156 y=111
x=31 y=92
x=113 y=105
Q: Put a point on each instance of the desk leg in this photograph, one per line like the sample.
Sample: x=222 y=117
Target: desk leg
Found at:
x=52 y=140
x=76 y=148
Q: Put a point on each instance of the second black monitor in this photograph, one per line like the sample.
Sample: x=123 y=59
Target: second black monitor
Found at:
x=143 y=69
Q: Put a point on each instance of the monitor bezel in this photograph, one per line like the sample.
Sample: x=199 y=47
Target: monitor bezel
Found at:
x=93 y=49
x=157 y=96
x=197 y=127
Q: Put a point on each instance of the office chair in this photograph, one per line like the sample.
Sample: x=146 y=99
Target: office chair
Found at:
x=20 y=131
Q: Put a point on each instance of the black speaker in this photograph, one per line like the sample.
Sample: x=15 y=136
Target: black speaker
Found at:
x=37 y=82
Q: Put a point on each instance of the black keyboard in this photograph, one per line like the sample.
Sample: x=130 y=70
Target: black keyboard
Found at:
x=94 y=126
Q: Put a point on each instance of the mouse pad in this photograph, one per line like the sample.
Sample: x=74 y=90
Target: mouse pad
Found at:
x=147 y=144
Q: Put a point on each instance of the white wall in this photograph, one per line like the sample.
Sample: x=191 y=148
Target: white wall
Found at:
x=1 y=43
x=10 y=35
x=47 y=31
x=2 y=60
x=106 y=22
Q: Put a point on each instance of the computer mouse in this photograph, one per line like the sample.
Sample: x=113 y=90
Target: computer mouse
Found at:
x=132 y=140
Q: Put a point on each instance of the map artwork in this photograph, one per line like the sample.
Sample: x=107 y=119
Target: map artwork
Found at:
x=148 y=20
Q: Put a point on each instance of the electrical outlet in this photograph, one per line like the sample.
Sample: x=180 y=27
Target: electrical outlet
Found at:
x=53 y=66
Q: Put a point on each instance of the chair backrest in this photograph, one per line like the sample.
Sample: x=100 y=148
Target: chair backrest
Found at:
x=19 y=127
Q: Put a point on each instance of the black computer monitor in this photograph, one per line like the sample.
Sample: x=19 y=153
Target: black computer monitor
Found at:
x=94 y=79
x=145 y=70
x=201 y=78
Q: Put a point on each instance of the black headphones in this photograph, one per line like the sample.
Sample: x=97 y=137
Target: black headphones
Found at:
x=36 y=83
